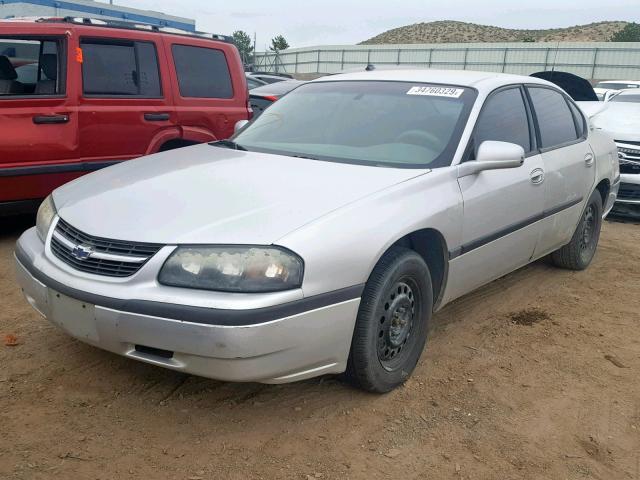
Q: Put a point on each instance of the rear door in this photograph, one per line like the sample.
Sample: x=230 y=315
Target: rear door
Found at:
x=126 y=106
x=210 y=87
x=569 y=165
x=38 y=118
x=502 y=208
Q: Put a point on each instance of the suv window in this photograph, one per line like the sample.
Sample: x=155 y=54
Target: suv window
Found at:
x=120 y=68
x=202 y=72
x=555 y=119
x=504 y=118
x=30 y=67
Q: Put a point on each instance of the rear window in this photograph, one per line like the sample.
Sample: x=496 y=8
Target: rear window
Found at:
x=202 y=72
x=31 y=67
x=120 y=68
x=555 y=120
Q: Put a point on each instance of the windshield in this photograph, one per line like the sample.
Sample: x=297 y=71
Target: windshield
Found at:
x=616 y=86
x=626 y=98
x=397 y=124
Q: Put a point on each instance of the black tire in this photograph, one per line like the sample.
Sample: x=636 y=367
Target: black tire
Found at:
x=578 y=253
x=392 y=324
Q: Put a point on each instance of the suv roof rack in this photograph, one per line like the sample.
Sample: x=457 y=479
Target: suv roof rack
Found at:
x=147 y=27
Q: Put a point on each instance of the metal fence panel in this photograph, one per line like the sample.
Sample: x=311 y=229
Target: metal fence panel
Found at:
x=596 y=60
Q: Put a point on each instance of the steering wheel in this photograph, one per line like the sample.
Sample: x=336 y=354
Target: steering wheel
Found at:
x=421 y=138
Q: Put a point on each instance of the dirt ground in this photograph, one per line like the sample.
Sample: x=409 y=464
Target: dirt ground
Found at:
x=535 y=376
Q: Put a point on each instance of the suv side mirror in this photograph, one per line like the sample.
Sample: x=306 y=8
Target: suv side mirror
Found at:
x=493 y=155
x=239 y=125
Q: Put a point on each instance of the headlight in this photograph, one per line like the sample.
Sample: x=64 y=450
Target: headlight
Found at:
x=233 y=269
x=46 y=212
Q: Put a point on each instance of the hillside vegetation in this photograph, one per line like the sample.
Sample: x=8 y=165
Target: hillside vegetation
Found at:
x=449 y=31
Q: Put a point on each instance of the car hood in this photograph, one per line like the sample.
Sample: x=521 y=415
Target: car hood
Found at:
x=207 y=194
x=620 y=120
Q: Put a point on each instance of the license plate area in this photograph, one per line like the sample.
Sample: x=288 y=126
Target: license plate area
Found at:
x=76 y=317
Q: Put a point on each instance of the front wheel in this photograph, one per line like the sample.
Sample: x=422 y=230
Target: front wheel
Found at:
x=392 y=324
x=578 y=253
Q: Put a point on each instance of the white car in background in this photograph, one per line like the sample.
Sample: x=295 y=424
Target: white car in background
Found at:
x=610 y=86
x=621 y=120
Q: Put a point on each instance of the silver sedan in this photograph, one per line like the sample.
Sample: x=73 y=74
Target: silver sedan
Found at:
x=324 y=235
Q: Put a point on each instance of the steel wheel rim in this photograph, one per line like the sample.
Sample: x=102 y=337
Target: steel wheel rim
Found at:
x=588 y=229
x=397 y=315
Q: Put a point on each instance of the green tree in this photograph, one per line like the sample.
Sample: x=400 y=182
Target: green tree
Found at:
x=630 y=33
x=243 y=41
x=278 y=43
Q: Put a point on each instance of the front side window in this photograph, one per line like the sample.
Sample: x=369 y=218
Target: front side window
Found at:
x=202 y=72
x=555 y=120
x=504 y=118
x=397 y=124
x=120 y=68
x=31 y=67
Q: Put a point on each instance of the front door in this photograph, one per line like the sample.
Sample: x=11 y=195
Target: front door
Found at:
x=502 y=208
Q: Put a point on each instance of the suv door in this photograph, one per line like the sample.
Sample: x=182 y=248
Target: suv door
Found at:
x=39 y=120
x=569 y=165
x=126 y=104
x=502 y=208
x=210 y=87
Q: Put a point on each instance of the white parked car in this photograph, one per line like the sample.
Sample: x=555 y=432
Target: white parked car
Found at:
x=621 y=120
x=325 y=234
x=611 y=86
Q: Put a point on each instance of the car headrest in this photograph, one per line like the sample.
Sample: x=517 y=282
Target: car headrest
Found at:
x=7 y=72
x=49 y=65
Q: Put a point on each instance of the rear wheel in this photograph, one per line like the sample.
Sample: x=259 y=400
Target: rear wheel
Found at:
x=578 y=253
x=392 y=324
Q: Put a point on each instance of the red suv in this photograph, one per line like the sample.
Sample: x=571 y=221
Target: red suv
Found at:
x=77 y=95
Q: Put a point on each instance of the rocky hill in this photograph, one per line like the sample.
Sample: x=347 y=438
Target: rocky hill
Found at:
x=449 y=31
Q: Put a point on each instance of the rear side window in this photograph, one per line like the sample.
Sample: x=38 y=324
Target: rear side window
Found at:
x=555 y=120
x=581 y=126
x=504 y=118
x=202 y=72
x=31 y=67
x=120 y=68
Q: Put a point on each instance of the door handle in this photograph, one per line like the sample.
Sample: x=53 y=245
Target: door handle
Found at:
x=49 y=119
x=156 y=117
x=589 y=159
x=537 y=176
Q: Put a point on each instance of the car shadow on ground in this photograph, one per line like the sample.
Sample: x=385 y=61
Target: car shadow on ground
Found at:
x=12 y=227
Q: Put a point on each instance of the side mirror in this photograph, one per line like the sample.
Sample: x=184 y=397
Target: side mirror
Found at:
x=239 y=125
x=493 y=156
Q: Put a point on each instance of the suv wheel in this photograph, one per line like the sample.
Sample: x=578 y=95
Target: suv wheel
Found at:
x=578 y=253
x=392 y=324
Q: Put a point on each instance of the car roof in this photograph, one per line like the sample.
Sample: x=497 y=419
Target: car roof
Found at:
x=633 y=82
x=466 y=78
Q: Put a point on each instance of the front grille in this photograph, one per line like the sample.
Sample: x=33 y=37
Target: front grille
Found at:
x=112 y=258
x=629 y=191
x=629 y=155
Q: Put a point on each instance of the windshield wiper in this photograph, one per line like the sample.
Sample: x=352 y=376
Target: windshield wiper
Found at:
x=228 y=144
x=308 y=157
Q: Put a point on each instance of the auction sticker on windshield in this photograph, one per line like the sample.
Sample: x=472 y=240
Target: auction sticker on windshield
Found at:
x=436 y=91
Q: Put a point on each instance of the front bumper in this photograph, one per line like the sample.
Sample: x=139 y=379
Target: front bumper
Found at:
x=628 y=199
x=295 y=346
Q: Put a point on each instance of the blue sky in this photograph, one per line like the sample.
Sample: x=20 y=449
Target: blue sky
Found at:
x=306 y=23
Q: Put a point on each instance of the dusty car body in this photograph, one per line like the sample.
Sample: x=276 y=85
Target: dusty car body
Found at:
x=369 y=223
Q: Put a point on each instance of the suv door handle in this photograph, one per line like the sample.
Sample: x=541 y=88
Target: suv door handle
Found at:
x=48 y=119
x=156 y=117
x=588 y=159
x=537 y=176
